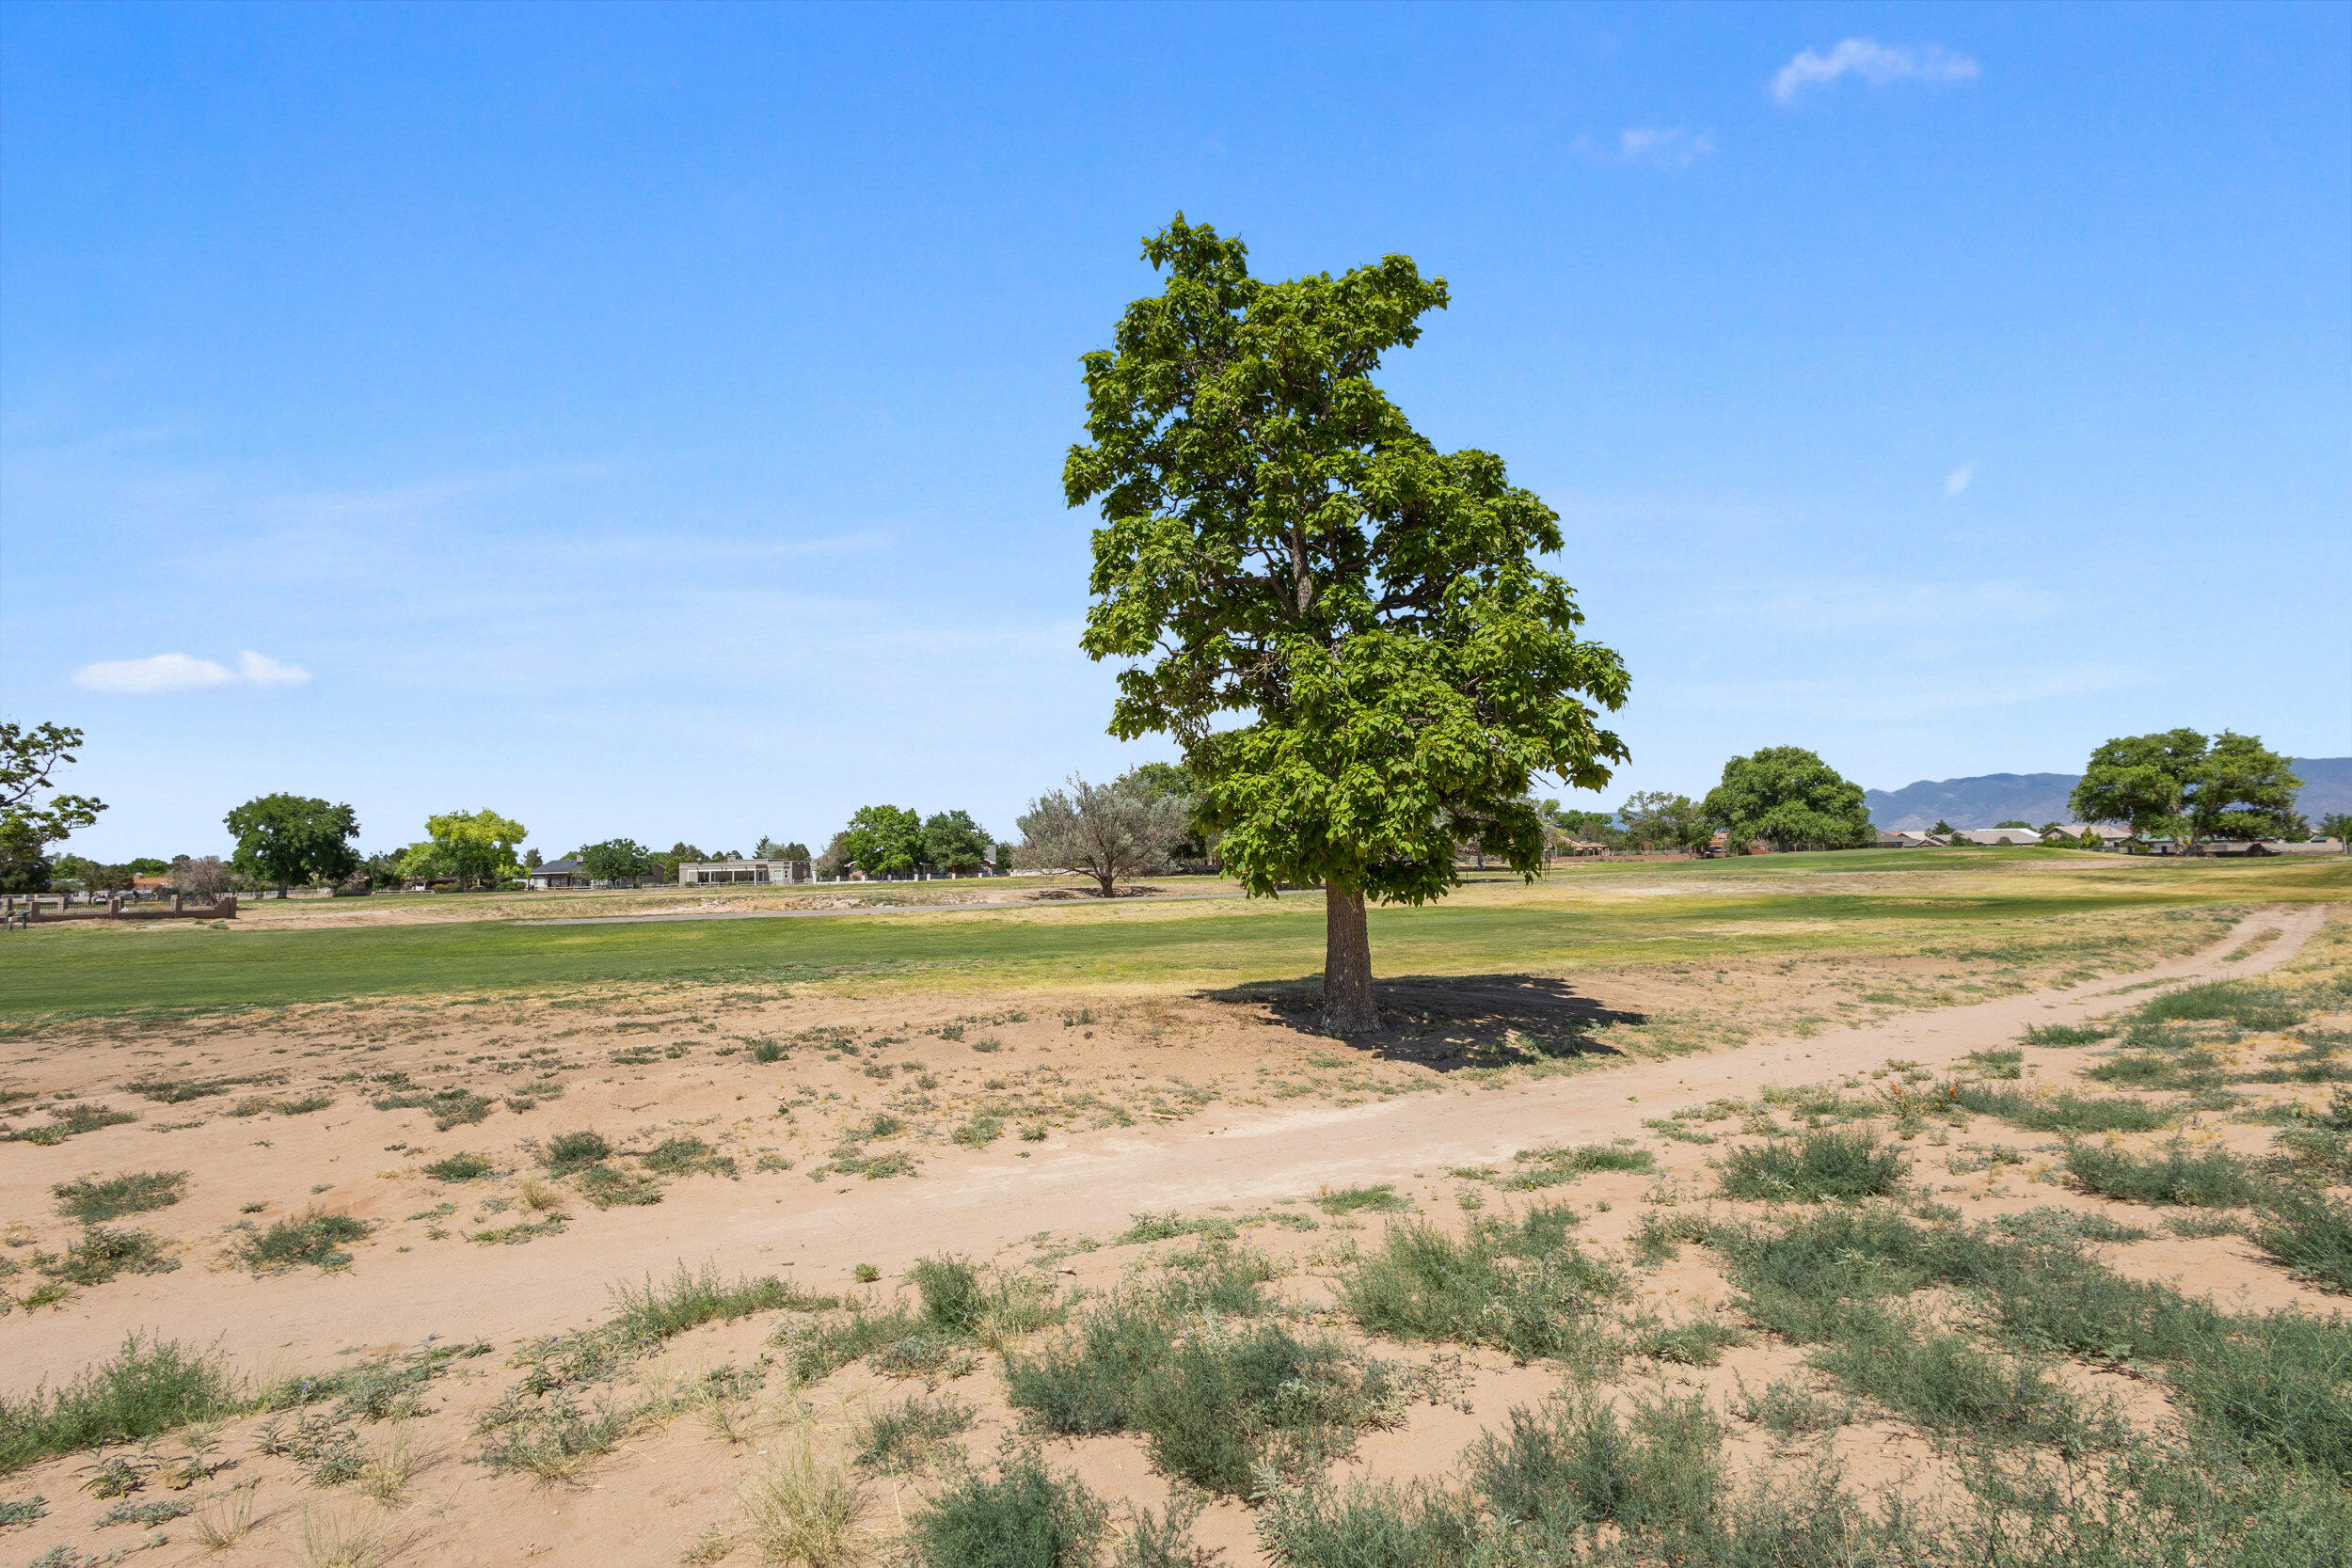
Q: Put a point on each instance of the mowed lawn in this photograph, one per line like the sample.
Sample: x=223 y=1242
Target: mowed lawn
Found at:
x=1788 y=905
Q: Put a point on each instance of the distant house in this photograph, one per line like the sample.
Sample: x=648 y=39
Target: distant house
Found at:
x=1993 y=837
x=1903 y=838
x=722 y=873
x=2107 y=833
x=563 y=873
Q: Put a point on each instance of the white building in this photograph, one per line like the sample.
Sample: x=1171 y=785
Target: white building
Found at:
x=720 y=873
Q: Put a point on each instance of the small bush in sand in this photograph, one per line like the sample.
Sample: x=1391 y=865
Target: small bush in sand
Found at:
x=148 y=1386
x=567 y=1152
x=1820 y=1165
x=1381 y=1198
x=803 y=1508
x=2061 y=1113
x=2309 y=1233
x=134 y=1193
x=904 y=1437
x=1026 y=1515
x=314 y=1238
x=1520 y=1286
x=223 y=1520
x=332 y=1538
x=2213 y=1180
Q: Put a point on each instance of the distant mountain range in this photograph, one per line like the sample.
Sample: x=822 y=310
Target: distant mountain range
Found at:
x=2039 y=797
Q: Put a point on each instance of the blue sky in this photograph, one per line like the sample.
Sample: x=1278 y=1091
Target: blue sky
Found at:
x=649 y=421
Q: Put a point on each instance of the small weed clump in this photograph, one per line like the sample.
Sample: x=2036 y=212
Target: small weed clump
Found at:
x=549 y=1426
x=448 y=1107
x=2193 y=1069
x=1698 y=1342
x=2059 y=1036
x=1161 y=1227
x=978 y=1132
x=1537 y=1494
x=653 y=1312
x=2241 y=1003
x=682 y=1156
x=1820 y=1167
x=1025 y=1515
x=2309 y=1233
x=67 y=1121
x=1218 y=1393
x=2061 y=1113
x=314 y=1238
x=148 y=1386
x=567 y=1152
x=803 y=1508
x=610 y=1187
x=1550 y=1167
x=1381 y=1198
x=1520 y=1287
x=1789 y=1409
x=134 y=1193
x=102 y=1253
x=460 y=1167
x=2213 y=1180
x=903 y=1439
x=381 y=1388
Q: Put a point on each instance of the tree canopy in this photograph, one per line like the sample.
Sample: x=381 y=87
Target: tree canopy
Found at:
x=616 y=860
x=2180 y=783
x=476 y=846
x=953 y=841
x=1279 y=545
x=884 y=841
x=769 y=849
x=1787 y=796
x=290 y=840
x=29 y=759
x=1111 y=833
x=1656 y=819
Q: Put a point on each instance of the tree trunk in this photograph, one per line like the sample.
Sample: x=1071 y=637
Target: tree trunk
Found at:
x=1347 y=1004
x=1110 y=887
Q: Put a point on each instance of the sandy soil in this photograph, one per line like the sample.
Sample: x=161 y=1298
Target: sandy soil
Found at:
x=1102 y=1112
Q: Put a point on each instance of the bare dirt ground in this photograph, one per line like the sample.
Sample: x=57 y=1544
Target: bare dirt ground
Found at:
x=832 y=1142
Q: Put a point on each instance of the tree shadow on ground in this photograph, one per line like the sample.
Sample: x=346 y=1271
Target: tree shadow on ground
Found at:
x=1451 y=1021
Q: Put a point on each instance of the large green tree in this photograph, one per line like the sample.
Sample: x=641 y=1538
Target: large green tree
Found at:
x=1343 y=627
x=1787 y=796
x=288 y=840
x=476 y=846
x=2181 y=783
x=953 y=841
x=1657 y=819
x=29 y=759
x=884 y=841
x=616 y=860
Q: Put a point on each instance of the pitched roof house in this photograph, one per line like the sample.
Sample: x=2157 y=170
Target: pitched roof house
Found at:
x=563 y=873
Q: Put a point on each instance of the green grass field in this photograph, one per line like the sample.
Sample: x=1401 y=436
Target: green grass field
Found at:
x=1786 y=905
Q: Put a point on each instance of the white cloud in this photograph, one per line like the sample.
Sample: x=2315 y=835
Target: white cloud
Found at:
x=161 y=672
x=1875 y=63
x=1655 y=145
x=260 y=670
x=1959 y=480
